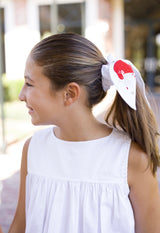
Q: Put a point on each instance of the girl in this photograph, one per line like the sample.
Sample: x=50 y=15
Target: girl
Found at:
x=82 y=176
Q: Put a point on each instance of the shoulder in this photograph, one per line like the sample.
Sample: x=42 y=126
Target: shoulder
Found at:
x=138 y=162
x=138 y=159
x=39 y=139
x=26 y=145
x=42 y=134
x=122 y=144
x=24 y=156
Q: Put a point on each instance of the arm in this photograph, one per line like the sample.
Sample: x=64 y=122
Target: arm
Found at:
x=18 y=224
x=1 y=230
x=144 y=192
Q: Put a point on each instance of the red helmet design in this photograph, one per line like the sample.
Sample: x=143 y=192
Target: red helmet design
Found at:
x=122 y=68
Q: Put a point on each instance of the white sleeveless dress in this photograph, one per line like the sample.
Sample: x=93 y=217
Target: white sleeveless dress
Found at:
x=78 y=187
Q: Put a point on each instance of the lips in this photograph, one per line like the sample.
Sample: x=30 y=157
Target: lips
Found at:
x=30 y=110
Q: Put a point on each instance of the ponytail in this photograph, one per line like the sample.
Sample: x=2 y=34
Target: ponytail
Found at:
x=140 y=125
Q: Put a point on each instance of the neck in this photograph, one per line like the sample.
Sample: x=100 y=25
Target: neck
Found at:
x=81 y=126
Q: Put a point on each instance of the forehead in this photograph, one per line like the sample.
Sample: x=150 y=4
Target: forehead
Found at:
x=33 y=72
x=31 y=66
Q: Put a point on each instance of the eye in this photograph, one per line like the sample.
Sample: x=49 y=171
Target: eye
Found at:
x=28 y=85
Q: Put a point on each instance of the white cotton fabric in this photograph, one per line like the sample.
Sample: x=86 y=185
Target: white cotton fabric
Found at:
x=78 y=187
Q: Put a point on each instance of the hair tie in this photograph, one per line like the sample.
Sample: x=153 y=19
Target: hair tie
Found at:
x=123 y=75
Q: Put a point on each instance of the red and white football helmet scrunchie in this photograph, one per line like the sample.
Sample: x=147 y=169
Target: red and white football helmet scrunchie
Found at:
x=123 y=75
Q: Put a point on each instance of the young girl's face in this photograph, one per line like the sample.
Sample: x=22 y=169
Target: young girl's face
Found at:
x=44 y=104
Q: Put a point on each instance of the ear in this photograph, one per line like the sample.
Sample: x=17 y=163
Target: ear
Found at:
x=71 y=93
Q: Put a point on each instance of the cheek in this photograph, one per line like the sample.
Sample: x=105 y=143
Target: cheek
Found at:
x=33 y=95
x=32 y=99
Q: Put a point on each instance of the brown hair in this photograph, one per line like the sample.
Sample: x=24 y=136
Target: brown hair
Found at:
x=69 y=58
x=140 y=125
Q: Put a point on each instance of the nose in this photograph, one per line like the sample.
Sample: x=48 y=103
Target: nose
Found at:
x=22 y=96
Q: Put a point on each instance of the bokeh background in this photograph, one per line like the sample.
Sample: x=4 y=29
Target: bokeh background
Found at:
x=126 y=28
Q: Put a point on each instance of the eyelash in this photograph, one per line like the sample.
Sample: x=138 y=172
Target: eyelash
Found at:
x=28 y=85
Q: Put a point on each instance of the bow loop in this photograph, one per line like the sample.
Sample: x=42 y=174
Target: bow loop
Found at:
x=110 y=58
x=123 y=75
x=106 y=80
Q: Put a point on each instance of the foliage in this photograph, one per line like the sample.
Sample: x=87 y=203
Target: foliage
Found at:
x=11 y=88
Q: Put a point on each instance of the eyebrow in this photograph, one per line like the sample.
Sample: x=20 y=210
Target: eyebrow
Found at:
x=27 y=77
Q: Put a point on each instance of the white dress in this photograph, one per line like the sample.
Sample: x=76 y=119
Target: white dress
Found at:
x=78 y=187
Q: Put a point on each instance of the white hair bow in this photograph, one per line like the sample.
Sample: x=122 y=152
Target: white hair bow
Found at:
x=123 y=75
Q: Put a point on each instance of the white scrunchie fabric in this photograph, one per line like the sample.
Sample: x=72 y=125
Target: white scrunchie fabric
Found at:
x=123 y=75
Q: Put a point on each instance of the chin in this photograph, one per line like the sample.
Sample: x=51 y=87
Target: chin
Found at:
x=39 y=123
x=34 y=122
